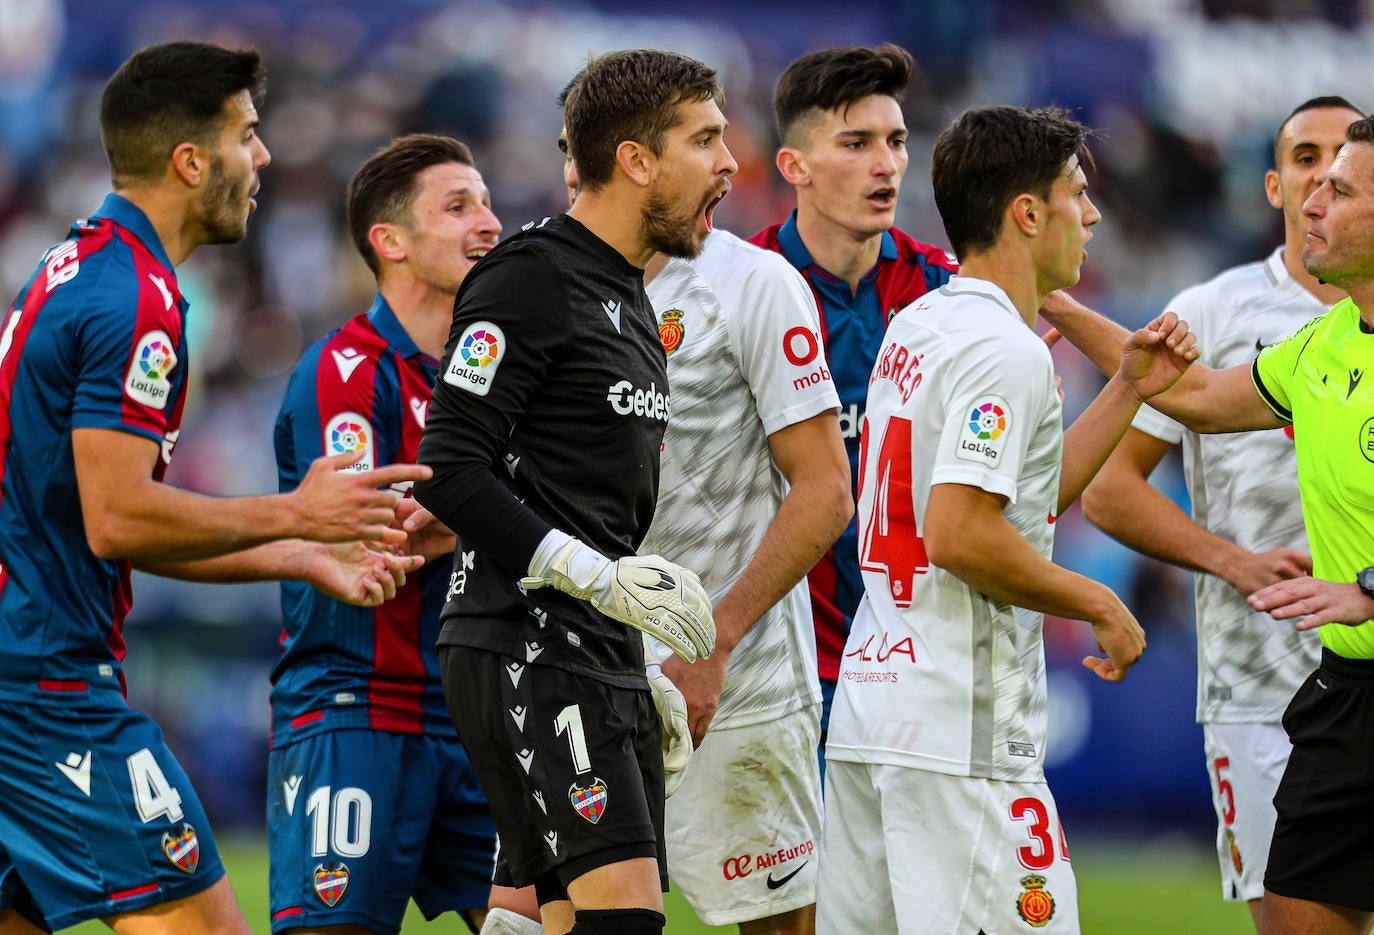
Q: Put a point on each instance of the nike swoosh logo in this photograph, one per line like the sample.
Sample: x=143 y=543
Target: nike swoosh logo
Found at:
x=782 y=881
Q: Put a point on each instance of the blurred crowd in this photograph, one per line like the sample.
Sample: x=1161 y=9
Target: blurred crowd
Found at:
x=1185 y=94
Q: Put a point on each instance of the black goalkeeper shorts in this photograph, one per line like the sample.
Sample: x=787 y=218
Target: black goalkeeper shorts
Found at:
x=571 y=766
x=1323 y=847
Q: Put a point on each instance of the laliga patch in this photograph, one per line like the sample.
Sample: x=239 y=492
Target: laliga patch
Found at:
x=984 y=437
x=153 y=361
x=182 y=848
x=590 y=801
x=670 y=330
x=350 y=433
x=331 y=882
x=479 y=352
x=1035 y=905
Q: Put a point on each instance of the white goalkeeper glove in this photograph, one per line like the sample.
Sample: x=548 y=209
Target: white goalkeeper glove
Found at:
x=672 y=711
x=647 y=592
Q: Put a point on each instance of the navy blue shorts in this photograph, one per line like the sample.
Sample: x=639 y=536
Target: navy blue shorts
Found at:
x=359 y=822
x=96 y=816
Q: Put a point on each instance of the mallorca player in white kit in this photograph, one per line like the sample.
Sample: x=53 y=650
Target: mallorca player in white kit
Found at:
x=1246 y=531
x=938 y=818
x=754 y=489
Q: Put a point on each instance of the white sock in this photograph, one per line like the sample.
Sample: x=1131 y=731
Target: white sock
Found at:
x=505 y=922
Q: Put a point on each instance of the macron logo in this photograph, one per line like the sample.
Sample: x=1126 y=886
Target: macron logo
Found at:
x=612 y=309
x=290 y=789
x=162 y=287
x=78 y=770
x=347 y=361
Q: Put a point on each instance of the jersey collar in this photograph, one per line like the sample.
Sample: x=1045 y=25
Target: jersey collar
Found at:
x=386 y=324
x=968 y=285
x=789 y=239
x=129 y=216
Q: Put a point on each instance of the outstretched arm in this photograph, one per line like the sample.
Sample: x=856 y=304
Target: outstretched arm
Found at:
x=131 y=516
x=1121 y=502
x=1203 y=399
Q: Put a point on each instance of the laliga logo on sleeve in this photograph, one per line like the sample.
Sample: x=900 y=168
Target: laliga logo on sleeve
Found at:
x=989 y=422
x=153 y=361
x=480 y=351
x=350 y=433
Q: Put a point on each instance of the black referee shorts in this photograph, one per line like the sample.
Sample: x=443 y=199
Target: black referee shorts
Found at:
x=1323 y=847
x=572 y=767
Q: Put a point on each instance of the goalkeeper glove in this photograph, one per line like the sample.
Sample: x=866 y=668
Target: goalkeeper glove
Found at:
x=647 y=592
x=672 y=711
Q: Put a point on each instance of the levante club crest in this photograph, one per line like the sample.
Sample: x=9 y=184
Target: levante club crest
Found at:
x=670 y=331
x=331 y=882
x=182 y=848
x=1035 y=906
x=590 y=801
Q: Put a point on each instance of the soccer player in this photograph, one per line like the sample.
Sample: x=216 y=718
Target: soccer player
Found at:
x=544 y=432
x=843 y=136
x=97 y=819
x=351 y=844
x=755 y=488
x=1321 y=858
x=938 y=818
x=1246 y=531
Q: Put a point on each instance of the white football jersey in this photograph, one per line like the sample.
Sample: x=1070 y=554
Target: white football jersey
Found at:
x=936 y=675
x=1244 y=487
x=745 y=359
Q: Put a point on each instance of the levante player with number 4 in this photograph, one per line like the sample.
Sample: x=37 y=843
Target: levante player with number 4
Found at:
x=938 y=818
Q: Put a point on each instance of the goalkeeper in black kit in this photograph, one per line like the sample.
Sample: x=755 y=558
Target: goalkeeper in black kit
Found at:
x=544 y=434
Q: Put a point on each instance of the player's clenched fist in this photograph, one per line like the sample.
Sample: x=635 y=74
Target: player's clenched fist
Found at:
x=647 y=592
x=334 y=504
x=1119 y=636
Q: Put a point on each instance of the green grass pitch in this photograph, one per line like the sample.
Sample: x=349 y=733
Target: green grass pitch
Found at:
x=1123 y=890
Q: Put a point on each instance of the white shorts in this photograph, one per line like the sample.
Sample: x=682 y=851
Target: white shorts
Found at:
x=1244 y=764
x=743 y=827
x=910 y=852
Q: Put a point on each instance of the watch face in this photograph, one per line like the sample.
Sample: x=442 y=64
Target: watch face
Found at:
x=1365 y=579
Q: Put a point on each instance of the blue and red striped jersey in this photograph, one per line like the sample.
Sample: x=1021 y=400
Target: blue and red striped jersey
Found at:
x=364 y=388
x=94 y=340
x=852 y=326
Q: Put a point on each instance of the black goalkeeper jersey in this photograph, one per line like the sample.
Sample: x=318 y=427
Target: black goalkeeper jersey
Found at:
x=549 y=412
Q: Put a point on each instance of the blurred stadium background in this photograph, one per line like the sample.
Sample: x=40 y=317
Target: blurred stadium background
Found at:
x=1186 y=94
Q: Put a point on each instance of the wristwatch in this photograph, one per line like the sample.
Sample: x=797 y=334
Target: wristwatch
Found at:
x=1365 y=579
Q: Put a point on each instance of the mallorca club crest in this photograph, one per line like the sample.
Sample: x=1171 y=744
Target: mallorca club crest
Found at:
x=182 y=848
x=590 y=801
x=331 y=882
x=670 y=331
x=1234 y=851
x=1035 y=906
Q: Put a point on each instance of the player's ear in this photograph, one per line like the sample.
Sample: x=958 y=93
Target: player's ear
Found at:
x=1271 y=189
x=636 y=161
x=1026 y=211
x=191 y=164
x=388 y=242
x=791 y=165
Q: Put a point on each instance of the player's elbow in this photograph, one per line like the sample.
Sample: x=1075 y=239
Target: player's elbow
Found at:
x=103 y=536
x=1097 y=502
x=839 y=502
x=947 y=549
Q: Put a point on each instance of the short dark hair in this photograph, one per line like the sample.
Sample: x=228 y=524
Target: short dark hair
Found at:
x=1361 y=131
x=383 y=189
x=630 y=95
x=1315 y=103
x=170 y=94
x=988 y=156
x=833 y=79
